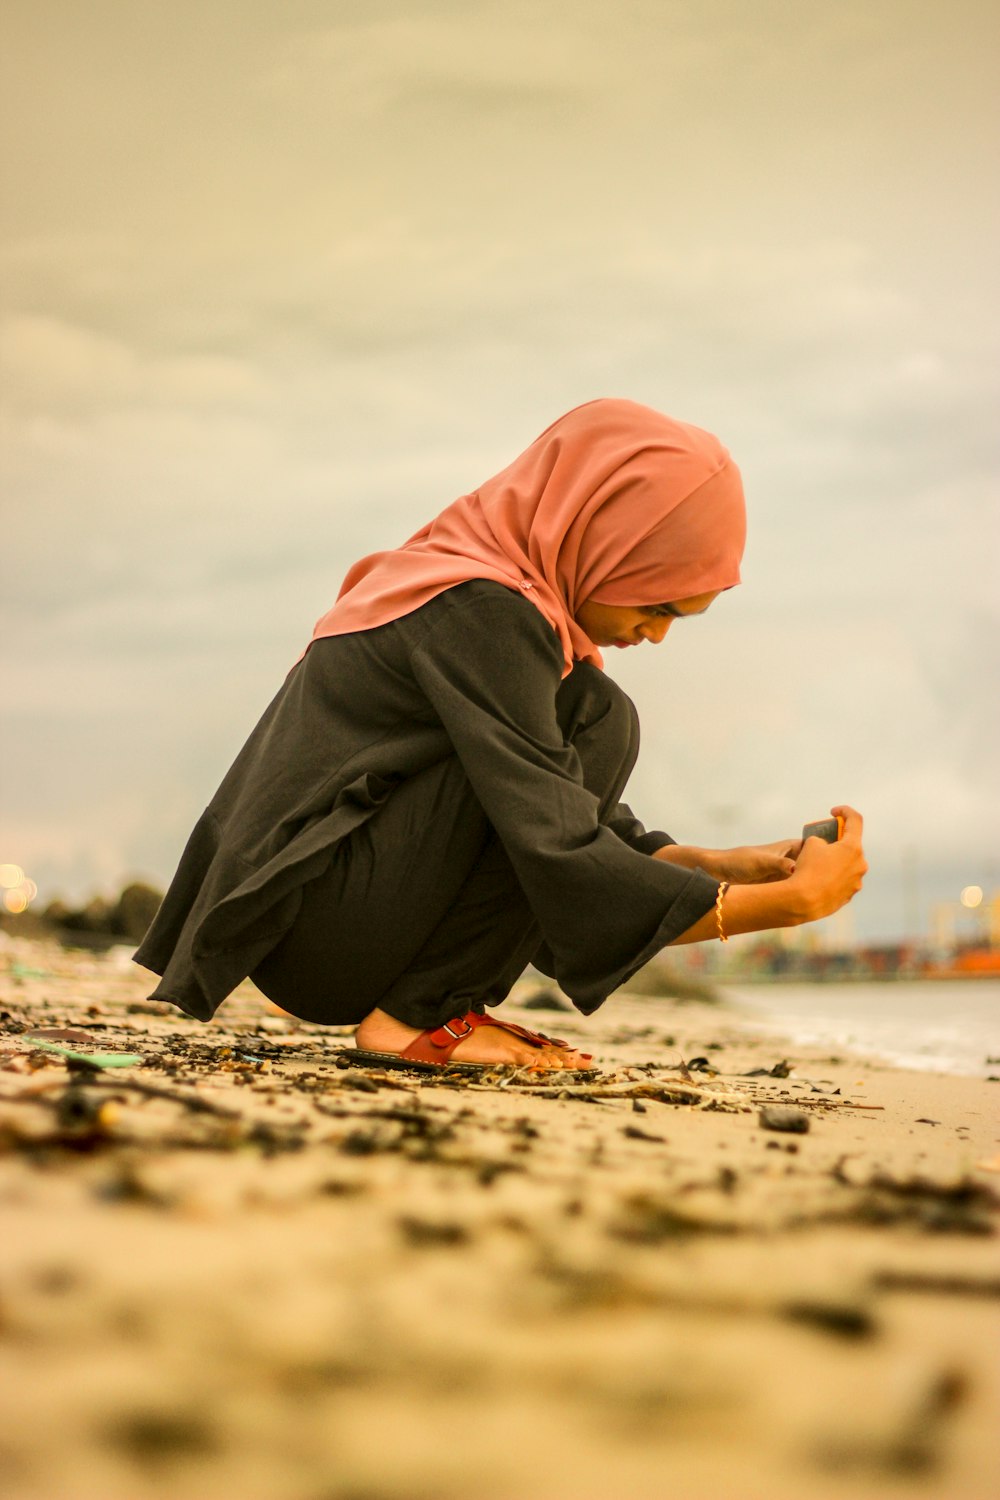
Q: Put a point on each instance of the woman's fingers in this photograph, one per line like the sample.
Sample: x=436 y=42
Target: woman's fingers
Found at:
x=775 y=866
x=835 y=872
x=784 y=848
x=853 y=827
x=854 y=823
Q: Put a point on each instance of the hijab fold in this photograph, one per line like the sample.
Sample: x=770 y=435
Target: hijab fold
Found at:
x=614 y=503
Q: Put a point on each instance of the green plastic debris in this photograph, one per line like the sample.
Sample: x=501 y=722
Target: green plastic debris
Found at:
x=91 y=1059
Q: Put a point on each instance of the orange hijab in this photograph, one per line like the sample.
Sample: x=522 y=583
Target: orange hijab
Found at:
x=614 y=502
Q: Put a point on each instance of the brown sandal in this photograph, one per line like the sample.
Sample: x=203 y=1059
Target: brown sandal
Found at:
x=431 y=1051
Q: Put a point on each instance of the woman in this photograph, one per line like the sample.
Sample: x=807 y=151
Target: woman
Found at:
x=431 y=801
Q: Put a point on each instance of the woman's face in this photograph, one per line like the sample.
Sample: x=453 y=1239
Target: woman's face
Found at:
x=629 y=624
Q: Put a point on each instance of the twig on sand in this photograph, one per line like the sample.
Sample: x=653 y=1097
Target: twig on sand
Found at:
x=670 y=1092
x=153 y=1091
x=115 y=1086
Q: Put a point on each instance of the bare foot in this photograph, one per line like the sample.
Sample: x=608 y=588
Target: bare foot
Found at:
x=379 y=1032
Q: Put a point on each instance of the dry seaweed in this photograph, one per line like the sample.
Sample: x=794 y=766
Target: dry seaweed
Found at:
x=158 y=1439
x=936 y=1284
x=780 y=1069
x=963 y=1207
x=645 y=1220
x=423 y=1233
x=915 y=1448
x=848 y=1320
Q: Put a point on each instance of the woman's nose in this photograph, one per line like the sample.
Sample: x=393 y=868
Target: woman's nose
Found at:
x=655 y=630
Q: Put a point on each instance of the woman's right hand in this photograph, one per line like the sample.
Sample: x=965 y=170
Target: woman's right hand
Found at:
x=828 y=875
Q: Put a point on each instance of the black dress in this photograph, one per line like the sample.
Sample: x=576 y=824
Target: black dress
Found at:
x=424 y=808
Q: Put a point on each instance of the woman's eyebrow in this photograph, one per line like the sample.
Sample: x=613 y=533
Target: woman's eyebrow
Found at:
x=678 y=614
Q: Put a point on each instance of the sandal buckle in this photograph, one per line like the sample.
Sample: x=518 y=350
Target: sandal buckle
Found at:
x=457 y=1021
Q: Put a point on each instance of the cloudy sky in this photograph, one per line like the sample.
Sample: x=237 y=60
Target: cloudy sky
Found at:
x=281 y=280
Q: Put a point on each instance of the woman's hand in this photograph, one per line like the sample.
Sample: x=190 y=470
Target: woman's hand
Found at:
x=828 y=875
x=823 y=879
x=752 y=864
x=755 y=864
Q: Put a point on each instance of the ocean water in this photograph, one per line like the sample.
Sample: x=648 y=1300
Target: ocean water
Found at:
x=940 y=1026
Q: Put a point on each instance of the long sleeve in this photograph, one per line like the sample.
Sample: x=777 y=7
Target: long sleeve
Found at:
x=624 y=823
x=490 y=668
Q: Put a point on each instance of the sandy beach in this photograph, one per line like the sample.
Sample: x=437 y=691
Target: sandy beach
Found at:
x=237 y=1267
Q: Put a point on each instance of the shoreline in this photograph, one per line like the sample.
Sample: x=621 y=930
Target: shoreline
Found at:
x=927 y=1028
x=241 y=1279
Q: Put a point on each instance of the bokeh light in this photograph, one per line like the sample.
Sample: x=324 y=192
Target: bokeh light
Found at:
x=17 y=891
x=972 y=896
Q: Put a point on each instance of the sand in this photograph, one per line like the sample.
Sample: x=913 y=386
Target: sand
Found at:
x=290 y=1278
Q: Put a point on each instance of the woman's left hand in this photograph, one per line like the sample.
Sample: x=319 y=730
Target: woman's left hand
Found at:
x=757 y=863
x=753 y=864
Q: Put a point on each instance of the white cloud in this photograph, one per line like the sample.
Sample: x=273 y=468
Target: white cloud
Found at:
x=368 y=64
x=45 y=360
x=50 y=365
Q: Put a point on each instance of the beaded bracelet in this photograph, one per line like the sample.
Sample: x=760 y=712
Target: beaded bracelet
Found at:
x=723 y=888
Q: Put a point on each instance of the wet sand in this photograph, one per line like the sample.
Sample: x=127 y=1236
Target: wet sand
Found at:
x=238 y=1268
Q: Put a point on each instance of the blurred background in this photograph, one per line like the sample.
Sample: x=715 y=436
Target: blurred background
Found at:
x=280 y=281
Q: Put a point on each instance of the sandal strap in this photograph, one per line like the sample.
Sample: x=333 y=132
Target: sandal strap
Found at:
x=437 y=1045
x=536 y=1038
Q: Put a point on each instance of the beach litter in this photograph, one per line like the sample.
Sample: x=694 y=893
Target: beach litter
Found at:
x=85 y=1059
